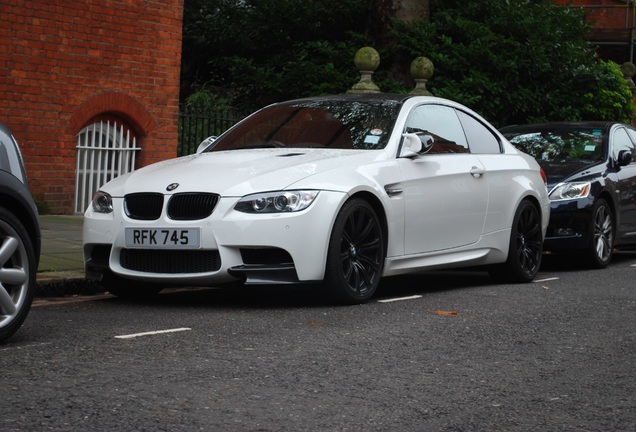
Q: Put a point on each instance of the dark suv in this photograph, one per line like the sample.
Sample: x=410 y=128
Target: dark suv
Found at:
x=19 y=238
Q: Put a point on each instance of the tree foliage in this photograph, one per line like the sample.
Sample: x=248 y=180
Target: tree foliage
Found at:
x=517 y=61
x=259 y=51
x=514 y=61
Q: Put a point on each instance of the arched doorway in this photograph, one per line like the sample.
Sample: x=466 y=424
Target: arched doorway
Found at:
x=111 y=128
x=105 y=150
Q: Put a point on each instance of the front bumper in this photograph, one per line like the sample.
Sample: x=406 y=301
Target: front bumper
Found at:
x=256 y=248
x=570 y=226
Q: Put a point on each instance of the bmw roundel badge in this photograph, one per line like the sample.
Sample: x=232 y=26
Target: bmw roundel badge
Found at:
x=172 y=186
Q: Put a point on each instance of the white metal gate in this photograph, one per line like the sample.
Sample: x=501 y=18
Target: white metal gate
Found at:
x=105 y=150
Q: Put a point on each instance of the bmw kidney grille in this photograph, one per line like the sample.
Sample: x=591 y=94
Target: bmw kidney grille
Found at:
x=183 y=206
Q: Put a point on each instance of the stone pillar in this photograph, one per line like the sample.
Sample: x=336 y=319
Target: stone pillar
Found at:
x=367 y=61
x=421 y=70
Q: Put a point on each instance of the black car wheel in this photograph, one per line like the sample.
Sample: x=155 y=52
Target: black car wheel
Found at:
x=599 y=252
x=17 y=273
x=526 y=247
x=356 y=254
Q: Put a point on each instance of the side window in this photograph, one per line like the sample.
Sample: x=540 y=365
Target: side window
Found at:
x=621 y=141
x=480 y=139
x=439 y=125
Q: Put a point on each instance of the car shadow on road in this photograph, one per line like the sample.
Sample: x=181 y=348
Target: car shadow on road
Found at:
x=432 y=281
x=307 y=296
x=237 y=296
x=565 y=262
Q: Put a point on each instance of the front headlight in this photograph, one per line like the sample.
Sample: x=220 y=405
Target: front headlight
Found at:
x=102 y=202
x=567 y=191
x=276 y=202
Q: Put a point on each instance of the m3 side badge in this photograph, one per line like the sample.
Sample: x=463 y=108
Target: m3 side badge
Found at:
x=172 y=186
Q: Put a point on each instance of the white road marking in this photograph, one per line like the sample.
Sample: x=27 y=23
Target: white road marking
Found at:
x=547 y=279
x=130 y=336
x=400 y=299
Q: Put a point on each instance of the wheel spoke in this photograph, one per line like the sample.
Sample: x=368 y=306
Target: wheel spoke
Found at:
x=7 y=249
x=361 y=282
x=12 y=276
x=370 y=264
x=7 y=307
x=345 y=262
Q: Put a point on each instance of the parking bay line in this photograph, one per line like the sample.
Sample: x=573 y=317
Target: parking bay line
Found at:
x=413 y=297
x=150 y=333
x=546 y=279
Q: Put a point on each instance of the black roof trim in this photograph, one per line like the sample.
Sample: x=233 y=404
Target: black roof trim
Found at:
x=361 y=97
x=561 y=125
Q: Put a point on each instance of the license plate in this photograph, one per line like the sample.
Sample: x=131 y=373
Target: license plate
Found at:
x=168 y=238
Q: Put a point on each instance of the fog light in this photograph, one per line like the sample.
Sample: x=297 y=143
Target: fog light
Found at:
x=563 y=232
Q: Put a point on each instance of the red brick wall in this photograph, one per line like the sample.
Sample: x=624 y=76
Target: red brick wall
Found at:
x=604 y=14
x=63 y=62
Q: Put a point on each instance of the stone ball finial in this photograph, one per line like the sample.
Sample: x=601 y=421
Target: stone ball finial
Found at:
x=629 y=70
x=421 y=70
x=367 y=61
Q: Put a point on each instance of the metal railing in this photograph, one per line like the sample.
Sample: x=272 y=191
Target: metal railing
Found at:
x=196 y=125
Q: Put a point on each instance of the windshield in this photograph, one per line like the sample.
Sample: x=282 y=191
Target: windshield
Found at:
x=336 y=124
x=586 y=145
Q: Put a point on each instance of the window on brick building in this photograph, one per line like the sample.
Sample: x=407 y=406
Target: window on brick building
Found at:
x=105 y=150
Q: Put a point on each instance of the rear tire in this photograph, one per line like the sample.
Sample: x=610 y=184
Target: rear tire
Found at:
x=355 y=257
x=600 y=250
x=526 y=247
x=18 y=266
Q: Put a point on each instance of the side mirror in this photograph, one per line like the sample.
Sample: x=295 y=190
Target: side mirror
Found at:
x=411 y=145
x=624 y=158
x=206 y=143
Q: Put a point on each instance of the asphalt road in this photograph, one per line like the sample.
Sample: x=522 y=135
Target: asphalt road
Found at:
x=443 y=351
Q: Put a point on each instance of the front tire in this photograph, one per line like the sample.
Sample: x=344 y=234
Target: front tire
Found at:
x=17 y=273
x=599 y=253
x=356 y=254
x=526 y=247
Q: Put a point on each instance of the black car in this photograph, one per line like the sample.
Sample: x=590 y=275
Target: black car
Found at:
x=592 y=184
x=19 y=238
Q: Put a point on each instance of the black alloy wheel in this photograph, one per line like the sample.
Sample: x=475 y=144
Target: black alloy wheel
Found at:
x=356 y=254
x=526 y=247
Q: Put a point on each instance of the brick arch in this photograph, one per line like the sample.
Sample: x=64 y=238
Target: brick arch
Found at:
x=112 y=103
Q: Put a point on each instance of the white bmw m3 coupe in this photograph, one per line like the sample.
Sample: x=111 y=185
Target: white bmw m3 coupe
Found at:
x=336 y=190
